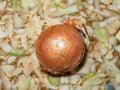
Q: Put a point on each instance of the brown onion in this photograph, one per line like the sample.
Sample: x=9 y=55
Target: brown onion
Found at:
x=60 y=48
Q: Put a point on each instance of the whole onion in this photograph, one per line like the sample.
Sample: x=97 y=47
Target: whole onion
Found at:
x=60 y=48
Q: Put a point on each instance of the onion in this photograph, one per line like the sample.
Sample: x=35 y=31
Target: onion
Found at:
x=8 y=69
x=74 y=78
x=6 y=47
x=6 y=82
x=2 y=6
x=87 y=67
x=3 y=34
x=64 y=80
x=90 y=1
x=60 y=48
x=11 y=59
x=104 y=13
x=18 y=21
x=65 y=87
